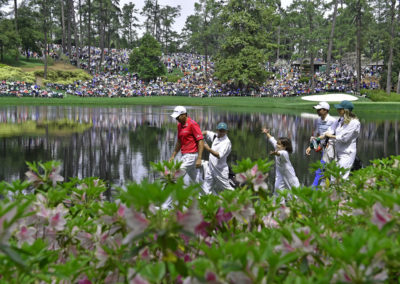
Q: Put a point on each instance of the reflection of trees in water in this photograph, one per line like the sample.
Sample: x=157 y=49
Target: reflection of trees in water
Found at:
x=123 y=141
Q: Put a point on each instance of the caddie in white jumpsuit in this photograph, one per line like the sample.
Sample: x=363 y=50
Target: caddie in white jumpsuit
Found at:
x=345 y=136
x=217 y=175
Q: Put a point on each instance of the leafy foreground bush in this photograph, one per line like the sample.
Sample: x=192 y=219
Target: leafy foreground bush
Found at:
x=68 y=232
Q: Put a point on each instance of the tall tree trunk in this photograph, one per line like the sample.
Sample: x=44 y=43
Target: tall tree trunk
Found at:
x=80 y=29
x=63 y=26
x=16 y=15
x=1 y=52
x=69 y=30
x=398 y=79
x=279 y=42
x=16 y=23
x=101 y=30
x=390 y=61
x=311 y=47
x=358 y=45
x=45 y=39
x=76 y=39
x=329 y=56
x=89 y=34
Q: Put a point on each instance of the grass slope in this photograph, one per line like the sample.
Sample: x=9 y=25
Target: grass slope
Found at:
x=364 y=108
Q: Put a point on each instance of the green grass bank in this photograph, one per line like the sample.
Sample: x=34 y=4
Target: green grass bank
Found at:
x=294 y=105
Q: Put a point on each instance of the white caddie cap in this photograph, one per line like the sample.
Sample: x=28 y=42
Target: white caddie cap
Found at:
x=323 y=105
x=178 y=111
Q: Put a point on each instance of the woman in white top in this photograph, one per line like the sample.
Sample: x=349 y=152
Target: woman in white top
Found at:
x=345 y=132
x=285 y=175
x=217 y=175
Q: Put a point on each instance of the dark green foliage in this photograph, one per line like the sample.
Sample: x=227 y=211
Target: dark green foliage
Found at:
x=145 y=59
x=382 y=96
x=247 y=43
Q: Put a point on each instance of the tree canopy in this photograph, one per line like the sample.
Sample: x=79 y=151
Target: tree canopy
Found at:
x=145 y=59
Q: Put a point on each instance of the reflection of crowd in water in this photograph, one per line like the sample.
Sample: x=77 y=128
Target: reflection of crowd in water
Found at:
x=131 y=118
x=113 y=148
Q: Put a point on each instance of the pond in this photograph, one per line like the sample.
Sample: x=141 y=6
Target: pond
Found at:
x=118 y=144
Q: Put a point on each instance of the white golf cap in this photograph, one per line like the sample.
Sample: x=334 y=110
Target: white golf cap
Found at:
x=323 y=105
x=178 y=111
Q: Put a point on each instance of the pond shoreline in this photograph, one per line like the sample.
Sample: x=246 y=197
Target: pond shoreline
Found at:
x=290 y=103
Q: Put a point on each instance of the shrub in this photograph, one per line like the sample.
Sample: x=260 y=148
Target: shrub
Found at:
x=347 y=231
x=304 y=79
x=63 y=77
x=9 y=73
x=381 y=96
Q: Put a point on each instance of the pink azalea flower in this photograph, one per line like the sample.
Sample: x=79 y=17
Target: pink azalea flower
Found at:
x=25 y=234
x=222 y=217
x=270 y=222
x=211 y=276
x=56 y=220
x=55 y=176
x=241 y=178
x=145 y=254
x=254 y=170
x=5 y=233
x=84 y=281
x=136 y=279
x=201 y=229
x=101 y=255
x=284 y=212
x=297 y=243
x=245 y=214
x=51 y=236
x=380 y=215
x=33 y=178
x=139 y=280
x=238 y=277
x=85 y=240
x=166 y=171
x=191 y=219
x=259 y=181
x=136 y=223
x=121 y=210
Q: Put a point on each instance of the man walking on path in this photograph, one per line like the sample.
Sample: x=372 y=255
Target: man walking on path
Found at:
x=217 y=174
x=190 y=143
x=323 y=123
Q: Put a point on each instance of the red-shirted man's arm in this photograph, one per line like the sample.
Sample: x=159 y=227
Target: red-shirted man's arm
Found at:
x=176 y=150
x=200 y=146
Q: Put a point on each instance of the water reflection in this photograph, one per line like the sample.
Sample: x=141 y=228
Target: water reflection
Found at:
x=123 y=141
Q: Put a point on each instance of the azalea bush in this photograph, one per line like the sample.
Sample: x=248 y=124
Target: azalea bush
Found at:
x=78 y=231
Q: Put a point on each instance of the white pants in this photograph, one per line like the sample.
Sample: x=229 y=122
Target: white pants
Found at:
x=189 y=167
x=216 y=180
x=346 y=161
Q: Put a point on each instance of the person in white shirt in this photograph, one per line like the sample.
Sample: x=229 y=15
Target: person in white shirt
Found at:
x=285 y=175
x=345 y=132
x=217 y=174
x=324 y=121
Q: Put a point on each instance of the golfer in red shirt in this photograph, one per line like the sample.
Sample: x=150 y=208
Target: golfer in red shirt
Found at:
x=190 y=143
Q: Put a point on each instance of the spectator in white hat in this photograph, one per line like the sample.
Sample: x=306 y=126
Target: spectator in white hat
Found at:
x=190 y=143
x=324 y=121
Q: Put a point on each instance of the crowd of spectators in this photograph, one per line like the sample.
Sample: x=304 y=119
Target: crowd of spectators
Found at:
x=111 y=78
